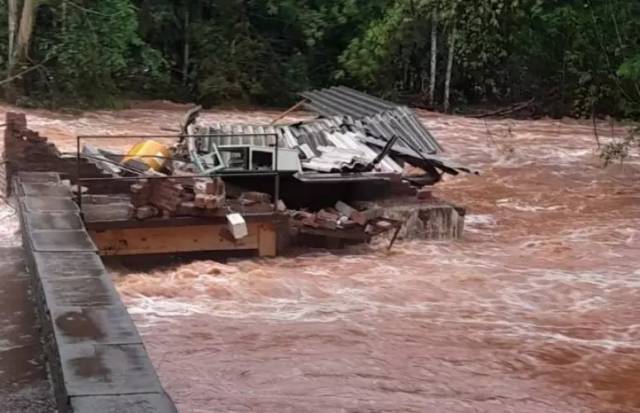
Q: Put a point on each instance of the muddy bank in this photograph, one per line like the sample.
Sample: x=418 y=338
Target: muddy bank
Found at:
x=534 y=311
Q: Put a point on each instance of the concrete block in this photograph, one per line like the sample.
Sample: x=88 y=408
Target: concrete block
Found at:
x=46 y=189
x=49 y=204
x=80 y=292
x=62 y=241
x=39 y=177
x=91 y=370
x=101 y=325
x=39 y=221
x=237 y=226
x=71 y=265
x=117 y=211
x=136 y=403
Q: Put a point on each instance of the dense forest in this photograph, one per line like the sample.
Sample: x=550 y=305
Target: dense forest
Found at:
x=570 y=57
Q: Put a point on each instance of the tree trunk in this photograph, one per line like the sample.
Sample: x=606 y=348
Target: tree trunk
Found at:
x=25 y=30
x=64 y=16
x=447 y=84
x=434 y=59
x=12 y=6
x=186 y=51
x=20 y=39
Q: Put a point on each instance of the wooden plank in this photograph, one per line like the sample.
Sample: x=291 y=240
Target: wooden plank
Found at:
x=267 y=240
x=166 y=240
x=181 y=221
x=288 y=112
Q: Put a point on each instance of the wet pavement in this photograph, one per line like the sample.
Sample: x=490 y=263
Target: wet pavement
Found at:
x=24 y=385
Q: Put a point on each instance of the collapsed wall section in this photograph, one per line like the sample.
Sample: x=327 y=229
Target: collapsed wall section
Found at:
x=26 y=150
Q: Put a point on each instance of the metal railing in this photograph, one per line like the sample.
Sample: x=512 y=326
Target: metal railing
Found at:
x=273 y=172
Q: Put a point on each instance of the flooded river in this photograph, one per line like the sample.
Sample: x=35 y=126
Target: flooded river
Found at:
x=536 y=310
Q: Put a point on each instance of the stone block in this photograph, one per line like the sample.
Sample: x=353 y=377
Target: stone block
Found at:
x=107 y=370
x=49 y=204
x=70 y=265
x=40 y=221
x=62 y=241
x=96 y=325
x=80 y=292
x=126 y=403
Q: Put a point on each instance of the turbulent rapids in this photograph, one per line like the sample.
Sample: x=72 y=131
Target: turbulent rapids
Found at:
x=534 y=311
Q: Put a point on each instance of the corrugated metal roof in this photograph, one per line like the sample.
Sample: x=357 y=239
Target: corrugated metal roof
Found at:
x=341 y=100
x=341 y=133
x=238 y=134
x=379 y=117
x=339 y=142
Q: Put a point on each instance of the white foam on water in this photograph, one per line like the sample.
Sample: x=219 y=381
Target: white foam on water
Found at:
x=10 y=235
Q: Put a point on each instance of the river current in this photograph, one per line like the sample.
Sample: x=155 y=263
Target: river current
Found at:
x=535 y=310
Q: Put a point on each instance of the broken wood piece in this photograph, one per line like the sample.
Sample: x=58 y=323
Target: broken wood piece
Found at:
x=253 y=197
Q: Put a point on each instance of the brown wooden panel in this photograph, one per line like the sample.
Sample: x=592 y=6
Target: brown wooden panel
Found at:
x=166 y=240
x=267 y=240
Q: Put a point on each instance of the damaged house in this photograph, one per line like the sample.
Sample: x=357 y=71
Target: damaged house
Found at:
x=363 y=167
x=359 y=148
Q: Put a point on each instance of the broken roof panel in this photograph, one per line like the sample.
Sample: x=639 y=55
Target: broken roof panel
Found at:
x=342 y=100
x=238 y=134
x=380 y=118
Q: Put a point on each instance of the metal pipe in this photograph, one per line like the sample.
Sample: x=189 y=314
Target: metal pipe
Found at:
x=145 y=177
x=215 y=135
x=78 y=185
x=276 y=168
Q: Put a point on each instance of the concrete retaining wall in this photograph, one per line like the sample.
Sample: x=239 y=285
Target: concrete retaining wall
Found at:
x=432 y=219
x=96 y=357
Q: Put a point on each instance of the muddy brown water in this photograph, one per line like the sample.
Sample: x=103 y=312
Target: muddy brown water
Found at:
x=536 y=310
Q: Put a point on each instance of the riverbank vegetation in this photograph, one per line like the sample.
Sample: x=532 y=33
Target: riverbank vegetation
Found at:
x=565 y=57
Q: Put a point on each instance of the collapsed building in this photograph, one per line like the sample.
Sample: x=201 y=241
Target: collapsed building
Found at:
x=361 y=168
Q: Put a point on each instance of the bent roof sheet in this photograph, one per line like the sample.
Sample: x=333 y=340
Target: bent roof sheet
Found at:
x=379 y=117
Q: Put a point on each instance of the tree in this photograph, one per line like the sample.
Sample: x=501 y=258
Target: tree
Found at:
x=434 y=59
x=20 y=29
x=575 y=57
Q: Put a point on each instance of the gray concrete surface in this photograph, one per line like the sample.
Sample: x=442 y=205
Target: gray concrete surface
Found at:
x=24 y=385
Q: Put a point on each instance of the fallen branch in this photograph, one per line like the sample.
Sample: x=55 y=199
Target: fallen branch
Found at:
x=517 y=107
x=24 y=72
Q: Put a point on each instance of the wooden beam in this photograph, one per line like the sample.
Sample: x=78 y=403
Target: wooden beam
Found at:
x=170 y=240
x=267 y=240
x=288 y=112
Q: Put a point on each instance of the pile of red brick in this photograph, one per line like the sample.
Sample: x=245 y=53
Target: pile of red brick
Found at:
x=342 y=216
x=177 y=196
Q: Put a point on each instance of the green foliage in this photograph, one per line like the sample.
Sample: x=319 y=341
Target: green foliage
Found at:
x=97 y=49
x=576 y=57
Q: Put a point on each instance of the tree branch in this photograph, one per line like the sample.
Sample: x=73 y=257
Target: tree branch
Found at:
x=24 y=72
